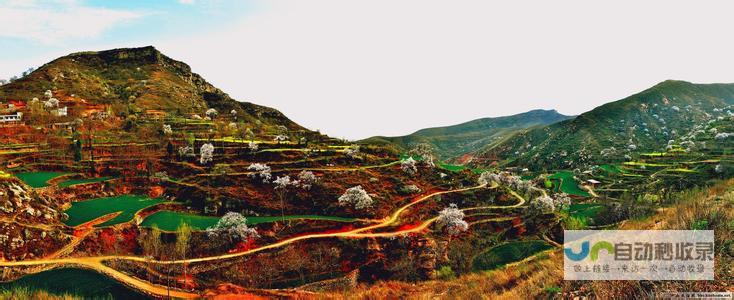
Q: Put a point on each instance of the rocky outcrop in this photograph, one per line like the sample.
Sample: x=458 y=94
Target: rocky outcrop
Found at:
x=30 y=224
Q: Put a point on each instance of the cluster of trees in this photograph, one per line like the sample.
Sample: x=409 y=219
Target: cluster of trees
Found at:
x=547 y=204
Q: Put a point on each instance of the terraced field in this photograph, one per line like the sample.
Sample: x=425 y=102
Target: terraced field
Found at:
x=507 y=253
x=77 y=282
x=71 y=182
x=564 y=182
x=127 y=205
x=39 y=179
x=170 y=220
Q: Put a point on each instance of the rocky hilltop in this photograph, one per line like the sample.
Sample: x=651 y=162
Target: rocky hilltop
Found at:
x=143 y=78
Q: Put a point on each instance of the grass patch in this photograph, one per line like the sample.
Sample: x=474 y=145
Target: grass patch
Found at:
x=645 y=164
x=611 y=169
x=85 y=211
x=38 y=179
x=568 y=184
x=170 y=220
x=71 y=281
x=71 y=182
x=507 y=253
x=585 y=210
x=452 y=168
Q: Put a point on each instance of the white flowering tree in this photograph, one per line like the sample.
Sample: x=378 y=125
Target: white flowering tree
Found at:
x=425 y=152
x=282 y=184
x=253 y=147
x=547 y=204
x=233 y=228
x=48 y=94
x=722 y=136
x=408 y=166
x=452 y=219
x=352 y=151
x=261 y=171
x=357 y=197
x=307 y=179
x=212 y=113
x=51 y=103
x=280 y=138
x=207 y=153
x=167 y=129
x=186 y=151
x=233 y=112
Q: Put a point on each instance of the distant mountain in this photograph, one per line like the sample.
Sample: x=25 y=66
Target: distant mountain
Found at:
x=451 y=142
x=142 y=77
x=647 y=121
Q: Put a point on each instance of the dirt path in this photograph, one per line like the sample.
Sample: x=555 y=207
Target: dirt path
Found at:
x=97 y=263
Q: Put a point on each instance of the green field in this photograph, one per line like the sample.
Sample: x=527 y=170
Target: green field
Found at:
x=568 y=185
x=170 y=220
x=38 y=179
x=611 y=168
x=78 y=282
x=452 y=168
x=507 y=253
x=71 y=182
x=85 y=211
x=587 y=210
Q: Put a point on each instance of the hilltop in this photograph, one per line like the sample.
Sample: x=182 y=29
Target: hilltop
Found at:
x=453 y=141
x=644 y=122
x=137 y=79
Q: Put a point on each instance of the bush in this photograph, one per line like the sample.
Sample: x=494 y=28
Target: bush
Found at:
x=575 y=223
x=700 y=225
x=445 y=273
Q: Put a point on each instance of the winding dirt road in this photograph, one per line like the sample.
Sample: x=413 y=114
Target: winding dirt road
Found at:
x=97 y=263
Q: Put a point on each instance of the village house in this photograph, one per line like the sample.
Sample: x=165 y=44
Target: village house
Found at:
x=593 y=182
x=61 y=112
x=13 y=118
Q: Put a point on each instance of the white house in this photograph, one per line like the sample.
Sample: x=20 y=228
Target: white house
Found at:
x=61 y=112
x=17 y=117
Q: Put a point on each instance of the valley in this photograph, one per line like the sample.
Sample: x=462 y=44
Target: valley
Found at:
x=130 y=176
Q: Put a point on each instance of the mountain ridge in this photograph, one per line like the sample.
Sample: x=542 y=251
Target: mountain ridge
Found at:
x=450 y=142
x=647 y=120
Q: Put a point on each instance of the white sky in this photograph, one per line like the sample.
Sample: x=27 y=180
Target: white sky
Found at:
x=360 y=68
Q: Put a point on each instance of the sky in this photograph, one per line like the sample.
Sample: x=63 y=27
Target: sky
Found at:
x=355 y=69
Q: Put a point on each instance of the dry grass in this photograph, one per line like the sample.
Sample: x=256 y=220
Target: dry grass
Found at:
x=712 y=208
x=25 y=293
x=517 y=281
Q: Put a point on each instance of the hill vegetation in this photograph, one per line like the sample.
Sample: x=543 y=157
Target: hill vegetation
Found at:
x=644 y=122
x=134 y=80
x=450 y=142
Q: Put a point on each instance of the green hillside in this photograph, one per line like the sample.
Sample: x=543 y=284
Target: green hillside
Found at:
x=454 y=141
x=668 y=113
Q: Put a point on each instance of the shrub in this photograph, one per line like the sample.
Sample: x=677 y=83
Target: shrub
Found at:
x=445 y=273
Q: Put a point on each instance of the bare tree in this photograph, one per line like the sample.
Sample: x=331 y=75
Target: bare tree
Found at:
x=281 y=189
